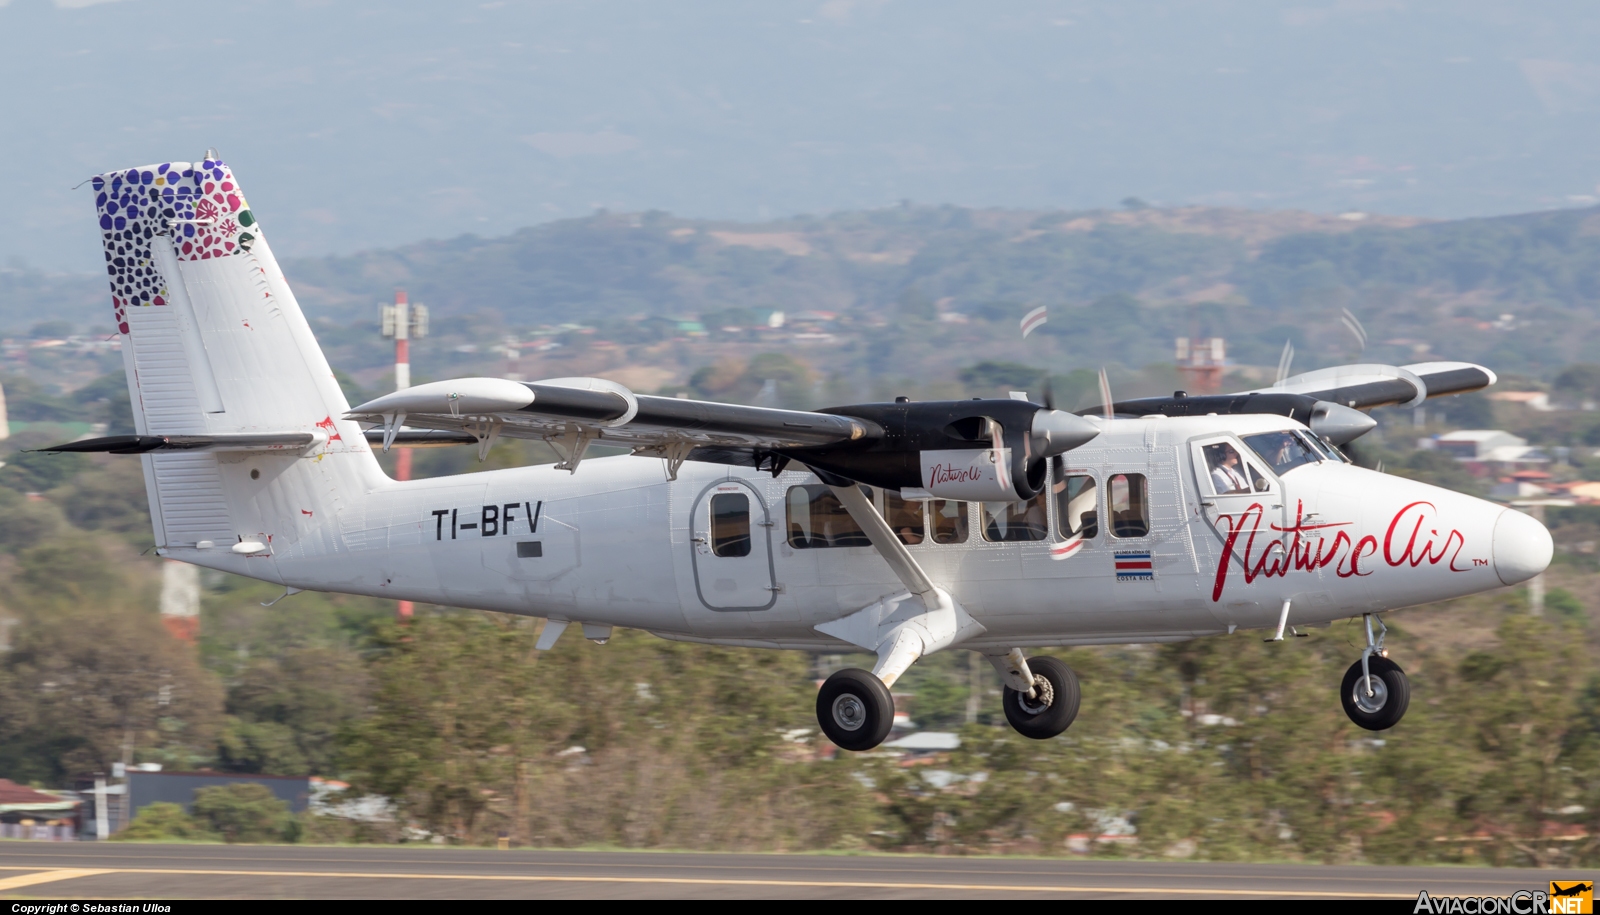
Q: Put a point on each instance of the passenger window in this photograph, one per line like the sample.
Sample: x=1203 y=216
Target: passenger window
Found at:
x=1282 y=450
x=1125 y=500
x=816 y=519
x=730 y=524
x=905 y=518
x=1076 y=512
x=1010 y=522
x=949 y=521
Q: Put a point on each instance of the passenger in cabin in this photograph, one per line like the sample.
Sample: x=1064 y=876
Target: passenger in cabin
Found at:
x=949 y=521
x=1226 y=474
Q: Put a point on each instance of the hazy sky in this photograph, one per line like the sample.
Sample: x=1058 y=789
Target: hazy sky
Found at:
x=358 y=125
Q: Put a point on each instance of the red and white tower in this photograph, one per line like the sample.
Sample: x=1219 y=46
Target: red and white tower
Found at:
x=403 y=321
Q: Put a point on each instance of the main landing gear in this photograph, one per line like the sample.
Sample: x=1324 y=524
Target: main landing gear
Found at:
x=1052 y=706
x=856 y=711
x=1375 y=691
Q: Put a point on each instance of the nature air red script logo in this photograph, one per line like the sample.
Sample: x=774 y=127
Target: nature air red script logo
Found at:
x=1414 y=537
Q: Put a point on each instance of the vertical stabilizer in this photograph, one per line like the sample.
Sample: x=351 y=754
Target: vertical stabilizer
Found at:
x=215 y=342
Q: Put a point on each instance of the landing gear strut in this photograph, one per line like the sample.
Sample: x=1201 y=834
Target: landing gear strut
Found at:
x=1375 y=692
x=855 y=709
x=1052 y=705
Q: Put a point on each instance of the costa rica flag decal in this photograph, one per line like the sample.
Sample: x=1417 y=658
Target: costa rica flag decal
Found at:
x=1135 y=566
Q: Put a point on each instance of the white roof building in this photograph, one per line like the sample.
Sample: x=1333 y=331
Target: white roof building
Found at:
x=1477 y=444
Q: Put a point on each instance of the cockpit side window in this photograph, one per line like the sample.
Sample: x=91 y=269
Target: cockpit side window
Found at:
x=1227 y=470
x=1283 y=451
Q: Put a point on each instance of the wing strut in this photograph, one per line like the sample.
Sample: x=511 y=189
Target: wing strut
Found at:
x=903 y=627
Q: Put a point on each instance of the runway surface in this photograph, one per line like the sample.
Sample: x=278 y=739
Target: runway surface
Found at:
x=113 y=871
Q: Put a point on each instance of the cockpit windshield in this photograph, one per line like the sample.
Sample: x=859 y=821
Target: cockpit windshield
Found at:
x=1325 y=448
x=1283 y=451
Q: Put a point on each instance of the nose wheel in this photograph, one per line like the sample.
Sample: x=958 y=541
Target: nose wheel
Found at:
x=1375 y=691
x=855 y=709
x=1053 y=705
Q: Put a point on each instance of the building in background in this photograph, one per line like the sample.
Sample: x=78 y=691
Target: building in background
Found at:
x=39 y=815
x=146 y=787
x=1532 y=400
x=1202 y=361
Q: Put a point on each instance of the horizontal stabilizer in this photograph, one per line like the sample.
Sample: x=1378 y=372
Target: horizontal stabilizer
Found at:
x=220 y=441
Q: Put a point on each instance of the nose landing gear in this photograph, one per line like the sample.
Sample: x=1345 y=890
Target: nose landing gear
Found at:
x=1375 y=692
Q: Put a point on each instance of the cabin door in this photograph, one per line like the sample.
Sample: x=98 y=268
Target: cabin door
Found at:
x=732 y=548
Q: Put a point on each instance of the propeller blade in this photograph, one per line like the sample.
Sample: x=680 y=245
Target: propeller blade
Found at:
x=1049 y=392
x=1355 y=328
x=1105 y=392
x=1284 y=362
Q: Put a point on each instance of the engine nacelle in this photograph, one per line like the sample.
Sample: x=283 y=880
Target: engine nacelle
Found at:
x=969 y=475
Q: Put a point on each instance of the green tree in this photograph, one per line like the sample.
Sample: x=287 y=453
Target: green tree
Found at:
x=163 y=822
x=473 y=732
x=245 y=812
x=285 y=713
x=93 y=675
x=995 y=379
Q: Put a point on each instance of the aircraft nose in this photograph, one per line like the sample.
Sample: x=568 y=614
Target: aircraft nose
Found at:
x=1522 y=547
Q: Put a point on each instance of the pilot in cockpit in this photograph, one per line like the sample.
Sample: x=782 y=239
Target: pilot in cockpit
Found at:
x=1227 y=474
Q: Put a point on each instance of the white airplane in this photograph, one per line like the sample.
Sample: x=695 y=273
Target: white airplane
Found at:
x=898 y=529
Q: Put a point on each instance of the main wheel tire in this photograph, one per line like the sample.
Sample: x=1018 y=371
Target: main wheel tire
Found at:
x=1054 y=706
x=855 y=709
x=1391 y=694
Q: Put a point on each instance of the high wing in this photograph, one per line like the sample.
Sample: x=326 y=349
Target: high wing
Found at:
x=1364 y=387
x=985 y=450
x=1331 y=401
x=990 y=450
x=573 y=413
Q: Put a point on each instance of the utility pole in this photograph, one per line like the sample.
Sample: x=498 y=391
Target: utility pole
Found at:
x=403 y=321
